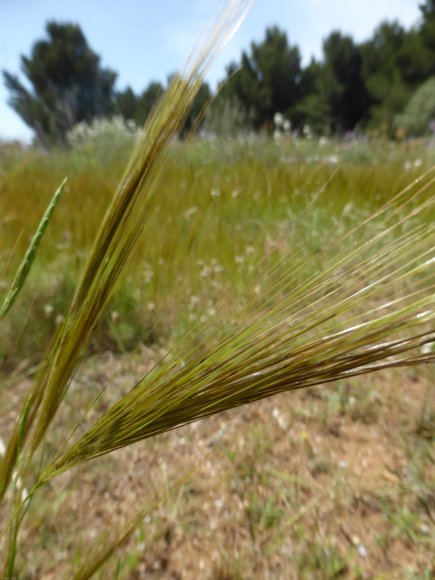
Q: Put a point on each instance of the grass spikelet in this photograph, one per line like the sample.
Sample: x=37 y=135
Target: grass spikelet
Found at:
x=346 y=320
x=362 y=303
x=131 y=206
x=29 y=258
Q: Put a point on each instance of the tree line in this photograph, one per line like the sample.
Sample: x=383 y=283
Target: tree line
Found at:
x=382 y=84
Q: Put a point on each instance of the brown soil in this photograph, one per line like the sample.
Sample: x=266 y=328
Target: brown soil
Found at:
x=331 y=482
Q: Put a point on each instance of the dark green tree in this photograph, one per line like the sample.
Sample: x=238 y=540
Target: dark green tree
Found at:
x=126 y=104
x=137 y=107
x=268 y=78
x=341 y=83
x=196 y=115
x=67 y=84
x=427 y=28
x=313 y=108
x=395 y=63
x=147 y=100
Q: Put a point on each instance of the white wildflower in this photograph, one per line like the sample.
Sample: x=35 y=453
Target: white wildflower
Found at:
x=278 y=119
x=287 y=126
x=333 y=159
x=48 y=310
x=114 y=315
x=307 y=133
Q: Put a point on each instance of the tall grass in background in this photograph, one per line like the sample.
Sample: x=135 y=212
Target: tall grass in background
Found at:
x=358 y=302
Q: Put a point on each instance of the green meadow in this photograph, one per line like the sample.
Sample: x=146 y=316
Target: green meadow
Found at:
x=332 y=481
x=227 y=211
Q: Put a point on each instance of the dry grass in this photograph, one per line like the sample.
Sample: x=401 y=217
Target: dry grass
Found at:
x=339 y=294
x=335 y=481
x=319 y=484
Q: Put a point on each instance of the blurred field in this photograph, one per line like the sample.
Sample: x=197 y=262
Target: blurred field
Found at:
x=333 y=482
x=224 y=209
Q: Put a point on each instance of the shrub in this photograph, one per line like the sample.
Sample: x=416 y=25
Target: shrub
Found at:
x=420 y=111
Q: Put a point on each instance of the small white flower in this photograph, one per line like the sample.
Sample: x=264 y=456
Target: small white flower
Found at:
x=333 y=159
x=48 y=310
x=278 y=119
x=307 y=132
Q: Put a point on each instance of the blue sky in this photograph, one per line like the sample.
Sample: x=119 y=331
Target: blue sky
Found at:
x=145 y=40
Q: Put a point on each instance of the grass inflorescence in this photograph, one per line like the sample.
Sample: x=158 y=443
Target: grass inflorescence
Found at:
x=269 y=275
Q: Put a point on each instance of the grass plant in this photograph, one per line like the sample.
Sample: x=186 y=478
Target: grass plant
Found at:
x=345 y=305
